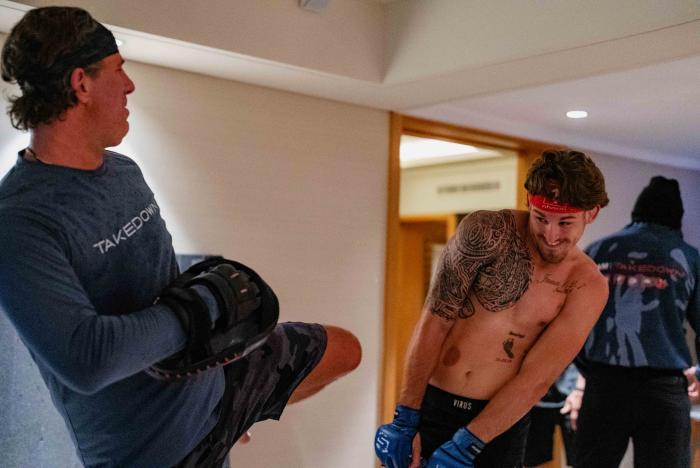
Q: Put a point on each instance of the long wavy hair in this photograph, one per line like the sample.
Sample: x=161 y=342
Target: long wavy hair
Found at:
x=33 y=57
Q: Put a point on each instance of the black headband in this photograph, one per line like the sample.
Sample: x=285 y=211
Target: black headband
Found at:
x=99 y=44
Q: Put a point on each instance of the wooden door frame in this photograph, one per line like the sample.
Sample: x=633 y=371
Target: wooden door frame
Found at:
x=527 y=150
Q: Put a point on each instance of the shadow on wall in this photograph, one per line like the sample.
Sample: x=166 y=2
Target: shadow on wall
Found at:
x=32 y=433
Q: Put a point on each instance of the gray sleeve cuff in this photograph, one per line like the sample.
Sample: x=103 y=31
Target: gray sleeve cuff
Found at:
x=209 y=300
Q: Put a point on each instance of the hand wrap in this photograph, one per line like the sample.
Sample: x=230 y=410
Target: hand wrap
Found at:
x=247 y=313
x=393 y=443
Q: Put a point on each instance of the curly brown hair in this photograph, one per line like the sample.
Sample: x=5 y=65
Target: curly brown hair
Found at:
x=579 y=181
x=36 y=56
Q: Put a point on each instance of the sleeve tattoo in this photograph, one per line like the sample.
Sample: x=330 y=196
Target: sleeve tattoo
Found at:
x=486 y=243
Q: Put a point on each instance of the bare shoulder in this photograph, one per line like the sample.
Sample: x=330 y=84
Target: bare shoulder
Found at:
x=520 y=216
x=483 y=234
x=483 y=218
x=482 y=242
x=594 y=286
x=588 y=270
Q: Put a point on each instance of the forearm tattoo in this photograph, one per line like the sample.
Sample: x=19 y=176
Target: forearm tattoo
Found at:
x=485 y=257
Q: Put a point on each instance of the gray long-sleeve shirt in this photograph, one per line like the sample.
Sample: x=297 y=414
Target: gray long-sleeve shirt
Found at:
x=83 y=255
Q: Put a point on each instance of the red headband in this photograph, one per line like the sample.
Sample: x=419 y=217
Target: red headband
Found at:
x=547 y=204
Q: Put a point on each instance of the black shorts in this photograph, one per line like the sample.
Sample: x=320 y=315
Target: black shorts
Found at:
x=443 y=413
x=259 y=386
x=540 y=439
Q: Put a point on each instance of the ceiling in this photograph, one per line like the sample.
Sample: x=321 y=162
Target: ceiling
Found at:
x=650 y=113
x=511 y=66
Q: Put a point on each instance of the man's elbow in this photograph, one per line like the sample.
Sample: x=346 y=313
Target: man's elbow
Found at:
x=540 y=388
x=83 y=380
x=535 y=384
x=89 y=364
x=87 y=387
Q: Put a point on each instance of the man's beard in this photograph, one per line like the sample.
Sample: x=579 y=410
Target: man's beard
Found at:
x=551 y=256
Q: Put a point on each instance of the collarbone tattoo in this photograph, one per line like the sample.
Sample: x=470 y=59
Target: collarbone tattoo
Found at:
x=566 y=287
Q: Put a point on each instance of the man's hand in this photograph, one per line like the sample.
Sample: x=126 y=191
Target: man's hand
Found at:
x=393 y=442
x=226 y=310
x=416 y=460
x=693 y=384
x=460 y=452
x=572 y=405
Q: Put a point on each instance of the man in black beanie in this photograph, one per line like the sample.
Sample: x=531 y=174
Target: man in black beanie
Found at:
x=659 y=203
x=634 y=360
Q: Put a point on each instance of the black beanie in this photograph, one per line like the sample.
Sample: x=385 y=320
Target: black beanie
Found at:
x=660 y=203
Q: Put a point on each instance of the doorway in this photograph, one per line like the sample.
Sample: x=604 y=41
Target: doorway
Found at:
x=425 y=203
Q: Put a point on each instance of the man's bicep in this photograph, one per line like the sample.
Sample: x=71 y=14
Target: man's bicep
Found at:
x=449 y=288
x=38 y=288
x=465 y=253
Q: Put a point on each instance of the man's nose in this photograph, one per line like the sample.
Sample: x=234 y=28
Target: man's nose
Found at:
x=551 y=233
x=129 y=85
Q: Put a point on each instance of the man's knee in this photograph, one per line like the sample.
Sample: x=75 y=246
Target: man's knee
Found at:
x=343 y=350
x=343 y=354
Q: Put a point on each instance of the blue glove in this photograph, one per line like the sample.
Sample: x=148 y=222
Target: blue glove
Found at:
x=393 y=442
x=459 y=452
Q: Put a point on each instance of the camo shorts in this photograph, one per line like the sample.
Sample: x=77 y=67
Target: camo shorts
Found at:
x=259 y=386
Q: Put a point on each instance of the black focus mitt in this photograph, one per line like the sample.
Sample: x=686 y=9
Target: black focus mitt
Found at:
x=247 y=313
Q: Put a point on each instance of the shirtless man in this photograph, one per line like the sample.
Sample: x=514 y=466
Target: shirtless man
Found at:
x=511 y=304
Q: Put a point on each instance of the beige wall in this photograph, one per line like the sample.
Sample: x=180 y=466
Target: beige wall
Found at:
x=625 y=178
x=438 y=36
x=294 y=186
x=346 y=39
x=420 y=186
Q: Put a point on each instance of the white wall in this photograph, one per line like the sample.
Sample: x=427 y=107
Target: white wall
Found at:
x=624 y=179
x=295 y=187
x=345 y=39
x=438 y=36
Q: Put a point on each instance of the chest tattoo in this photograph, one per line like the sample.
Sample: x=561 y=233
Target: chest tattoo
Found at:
x=503 y=281
x=565 y=288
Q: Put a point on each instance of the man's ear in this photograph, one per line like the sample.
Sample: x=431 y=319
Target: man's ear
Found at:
x=79 y=81
x=590 y=215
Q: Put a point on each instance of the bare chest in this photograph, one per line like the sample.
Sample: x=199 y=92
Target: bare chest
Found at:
x=538 y=306
x=493 y=343
x=511 y=331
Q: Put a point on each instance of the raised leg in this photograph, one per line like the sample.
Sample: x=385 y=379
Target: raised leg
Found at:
x=343 y=354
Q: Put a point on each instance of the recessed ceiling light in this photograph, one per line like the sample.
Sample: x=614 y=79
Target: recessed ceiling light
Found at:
x=119 y=42
x=577 y=114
